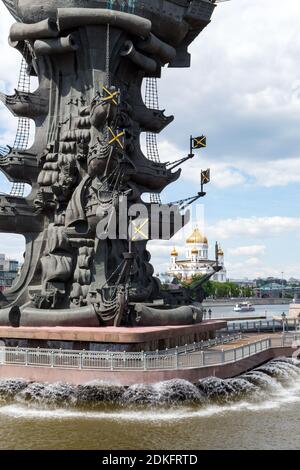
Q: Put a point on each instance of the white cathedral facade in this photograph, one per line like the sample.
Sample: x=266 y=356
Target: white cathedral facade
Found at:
x=196 y=260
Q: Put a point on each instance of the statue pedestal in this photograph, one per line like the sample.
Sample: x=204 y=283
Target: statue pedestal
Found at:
x=109 y=338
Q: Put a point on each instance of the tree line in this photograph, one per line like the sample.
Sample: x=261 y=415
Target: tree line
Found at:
x=217 y=290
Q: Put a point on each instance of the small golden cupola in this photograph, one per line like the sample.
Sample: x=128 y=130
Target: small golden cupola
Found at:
x=195 y=251
x=220 y=252
x=174 y=252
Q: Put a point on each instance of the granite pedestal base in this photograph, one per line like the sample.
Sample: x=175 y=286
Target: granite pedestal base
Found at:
x=109 y=338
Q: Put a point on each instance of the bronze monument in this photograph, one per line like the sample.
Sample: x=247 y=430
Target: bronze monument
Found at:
x=91 y=58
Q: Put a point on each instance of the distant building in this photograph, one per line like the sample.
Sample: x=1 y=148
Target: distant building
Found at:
x=8 y=272
x=276 y=290
x=243 y=282
x=261 y=282
x=196 y=261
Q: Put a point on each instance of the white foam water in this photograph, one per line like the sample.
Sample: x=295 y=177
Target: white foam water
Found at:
x=178 y=400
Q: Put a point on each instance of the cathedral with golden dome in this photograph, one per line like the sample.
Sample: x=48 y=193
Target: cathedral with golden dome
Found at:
x=196 y=261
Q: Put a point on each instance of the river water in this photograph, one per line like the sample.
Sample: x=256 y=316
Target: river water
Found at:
x=259 y=410
x=225 y=311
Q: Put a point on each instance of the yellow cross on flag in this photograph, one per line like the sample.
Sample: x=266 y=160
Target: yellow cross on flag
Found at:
x=116 y=137
x=205 y=176
x=139 y=230
x=199 y=142
x=110 y=96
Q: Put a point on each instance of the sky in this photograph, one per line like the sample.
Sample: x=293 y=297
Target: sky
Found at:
x=243 y=92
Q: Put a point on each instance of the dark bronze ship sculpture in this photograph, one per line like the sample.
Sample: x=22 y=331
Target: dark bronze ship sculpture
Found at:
x=91 y=58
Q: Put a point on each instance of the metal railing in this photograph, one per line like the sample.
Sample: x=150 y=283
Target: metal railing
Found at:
x=192 y=347
x=117 y=361
x=286 y=340
x=262 y=326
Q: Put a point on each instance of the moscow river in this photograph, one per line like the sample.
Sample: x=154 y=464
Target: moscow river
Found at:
x=223 y=311
x=259 y=410
x=269 y=423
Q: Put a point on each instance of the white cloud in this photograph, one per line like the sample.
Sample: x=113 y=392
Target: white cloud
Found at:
x=252 y=250
x=269 y=173
x=255 y=269
x=9 y=56
x=243 y=91
x=253 y=261
x=254 y=227
x=274 y=172
x=243 y=87
x=231 y=172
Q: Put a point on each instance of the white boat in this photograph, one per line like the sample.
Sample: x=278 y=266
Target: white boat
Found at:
x=244 y=307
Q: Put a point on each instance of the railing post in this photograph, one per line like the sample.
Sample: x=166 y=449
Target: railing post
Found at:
x=234 y=354
x=145 y=361
x=203 y=357
x=223 y=356
x=26 y=357
x=176 y=358
x=111 y=361
x=52 y=359
x=80 y=361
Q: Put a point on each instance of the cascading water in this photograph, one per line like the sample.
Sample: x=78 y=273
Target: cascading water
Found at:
x=9 y=389
x=262 y=380
x=274 y=375
x=170 y=392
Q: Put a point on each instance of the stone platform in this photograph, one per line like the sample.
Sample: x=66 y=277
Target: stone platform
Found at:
x=115 y=374
x=110 y=338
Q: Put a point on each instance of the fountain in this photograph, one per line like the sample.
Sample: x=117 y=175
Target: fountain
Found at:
x=251 y=386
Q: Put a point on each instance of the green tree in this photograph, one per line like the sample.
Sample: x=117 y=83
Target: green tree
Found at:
x=215 y=289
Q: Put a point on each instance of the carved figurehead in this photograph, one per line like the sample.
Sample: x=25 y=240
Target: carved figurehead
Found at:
x=91 y=58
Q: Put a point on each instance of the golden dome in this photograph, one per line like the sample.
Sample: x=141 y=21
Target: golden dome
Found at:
x=196 y=237
x=174 y=252
x=195 y=251
x=220 y=252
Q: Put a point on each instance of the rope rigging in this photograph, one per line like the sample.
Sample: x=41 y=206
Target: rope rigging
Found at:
x=3 y=153
x=151 y=101
x=23 y=129
x=107 y=70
